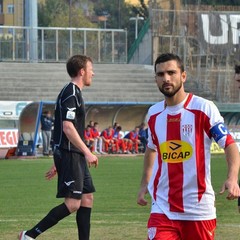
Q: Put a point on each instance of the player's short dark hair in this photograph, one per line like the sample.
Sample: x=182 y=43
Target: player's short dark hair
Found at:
x=119 y=128
x=165 y=57
x=75 y=63
x=237 y=69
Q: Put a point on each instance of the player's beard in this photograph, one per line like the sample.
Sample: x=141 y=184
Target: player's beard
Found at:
x=170 y=93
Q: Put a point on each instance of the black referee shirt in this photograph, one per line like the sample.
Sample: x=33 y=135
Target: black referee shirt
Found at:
x=69 y=107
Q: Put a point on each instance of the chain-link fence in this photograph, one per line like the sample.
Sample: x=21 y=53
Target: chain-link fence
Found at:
x=209 y=43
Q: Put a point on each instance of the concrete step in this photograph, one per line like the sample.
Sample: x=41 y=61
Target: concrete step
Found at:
x=43 y=81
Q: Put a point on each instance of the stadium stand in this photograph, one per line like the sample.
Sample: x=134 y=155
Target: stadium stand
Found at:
x=111 y=83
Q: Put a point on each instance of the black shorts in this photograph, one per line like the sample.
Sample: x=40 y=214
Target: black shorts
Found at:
x=74 y=178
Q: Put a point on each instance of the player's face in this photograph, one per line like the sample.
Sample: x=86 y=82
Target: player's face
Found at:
x=237 y=78
x=88 y=74
x=169 y=78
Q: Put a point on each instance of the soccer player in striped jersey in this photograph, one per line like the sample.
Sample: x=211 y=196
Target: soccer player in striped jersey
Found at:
x=176 y=170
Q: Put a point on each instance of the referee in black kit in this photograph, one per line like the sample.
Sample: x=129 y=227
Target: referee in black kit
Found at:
x=71 y=156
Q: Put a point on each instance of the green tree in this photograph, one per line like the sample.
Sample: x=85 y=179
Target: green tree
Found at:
x=48 y=11
x=118 y=14
x=142 y=10
x=65 y=13
x=62 y=14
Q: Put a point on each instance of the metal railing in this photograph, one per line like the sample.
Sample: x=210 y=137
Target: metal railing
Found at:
x=137 y=41
x=45 y=44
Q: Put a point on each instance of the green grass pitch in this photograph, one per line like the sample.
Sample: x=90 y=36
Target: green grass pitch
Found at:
x=26 y=197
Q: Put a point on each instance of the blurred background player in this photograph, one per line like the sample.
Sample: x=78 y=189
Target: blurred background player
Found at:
x=98 y=142
x=143 y=136
x=107 y=137
x=88 y=137
x=120 y=146
x=46 y=129
x=133 y=140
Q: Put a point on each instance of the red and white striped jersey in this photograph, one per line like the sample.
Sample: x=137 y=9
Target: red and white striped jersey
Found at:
x=180 y=185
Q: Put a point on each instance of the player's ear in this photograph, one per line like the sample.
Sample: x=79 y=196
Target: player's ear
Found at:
x=184 y=76
x=81 y=72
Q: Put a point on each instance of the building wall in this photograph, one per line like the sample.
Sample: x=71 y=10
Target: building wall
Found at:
x=17 y=17
x=14 y=18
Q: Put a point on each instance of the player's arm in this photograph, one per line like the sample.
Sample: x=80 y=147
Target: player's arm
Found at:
x=224 y=139
x=73 y=136
x=233 y=162
x=149 y=157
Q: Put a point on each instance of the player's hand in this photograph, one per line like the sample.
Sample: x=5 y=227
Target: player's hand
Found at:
x=141 y=197
x=92 y=160
x=51 y=173
x=233 y=189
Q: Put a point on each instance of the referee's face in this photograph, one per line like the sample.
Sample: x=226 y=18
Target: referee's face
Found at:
x=88 y=74
x=169 y=78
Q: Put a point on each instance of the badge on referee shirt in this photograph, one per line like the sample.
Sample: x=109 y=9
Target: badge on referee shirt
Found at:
x=71 y=113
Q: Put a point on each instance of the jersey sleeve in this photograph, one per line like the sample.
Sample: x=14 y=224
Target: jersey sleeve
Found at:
x=69 y=109
x=150 y=143
x=221 y=135
x=218 y=130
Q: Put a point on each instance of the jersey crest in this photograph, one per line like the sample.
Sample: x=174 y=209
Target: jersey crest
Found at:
x=187 y=129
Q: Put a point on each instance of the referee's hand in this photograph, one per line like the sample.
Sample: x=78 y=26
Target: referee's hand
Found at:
x=92 y=160
x=51 y=173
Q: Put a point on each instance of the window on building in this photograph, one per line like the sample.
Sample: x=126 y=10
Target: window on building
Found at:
x=10 y=9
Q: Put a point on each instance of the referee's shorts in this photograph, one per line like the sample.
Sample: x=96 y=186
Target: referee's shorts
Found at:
x=74 y=178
